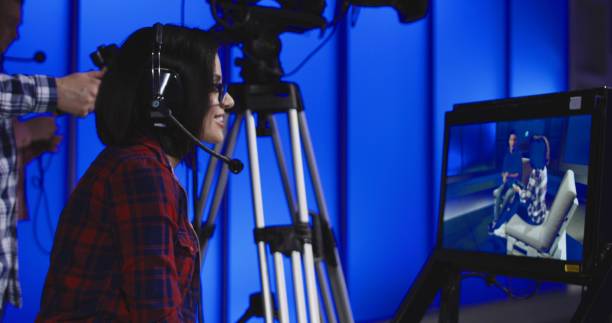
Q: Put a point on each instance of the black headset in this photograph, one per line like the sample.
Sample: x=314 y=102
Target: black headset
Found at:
x=167 y=90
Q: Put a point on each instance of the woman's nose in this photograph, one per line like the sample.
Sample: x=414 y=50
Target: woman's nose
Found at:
x=228 y=102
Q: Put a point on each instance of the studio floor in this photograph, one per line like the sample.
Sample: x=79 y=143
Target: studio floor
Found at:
x=546 y=307
x=551 y=307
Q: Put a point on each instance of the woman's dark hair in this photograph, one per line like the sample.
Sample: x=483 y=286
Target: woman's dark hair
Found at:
x=124 y=98
x=511 y=132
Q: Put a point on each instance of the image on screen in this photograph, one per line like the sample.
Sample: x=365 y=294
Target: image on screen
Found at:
x=518 y=187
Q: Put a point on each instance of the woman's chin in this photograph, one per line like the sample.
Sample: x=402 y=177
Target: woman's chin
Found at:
x=213 y=138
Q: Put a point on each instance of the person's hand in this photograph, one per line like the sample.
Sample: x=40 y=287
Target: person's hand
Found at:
x=37 y=148
x=22 y=134
x=77 y=92
x=516 y=188
x=53 y=143
x=41 y=128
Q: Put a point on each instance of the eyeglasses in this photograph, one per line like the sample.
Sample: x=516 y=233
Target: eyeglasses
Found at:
x=221 y=90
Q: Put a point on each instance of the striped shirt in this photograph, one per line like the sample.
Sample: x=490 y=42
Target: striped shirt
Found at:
x=534 y=196
x=19 y=95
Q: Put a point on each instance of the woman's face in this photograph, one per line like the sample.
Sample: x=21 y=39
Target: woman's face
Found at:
x=512 y=141
x=214 y=122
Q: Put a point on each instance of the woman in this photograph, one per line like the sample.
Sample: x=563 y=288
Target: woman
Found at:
x=124 y=249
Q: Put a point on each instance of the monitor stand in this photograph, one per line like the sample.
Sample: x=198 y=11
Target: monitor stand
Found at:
x=436 y=276
x=595 y=303
x=439 y=275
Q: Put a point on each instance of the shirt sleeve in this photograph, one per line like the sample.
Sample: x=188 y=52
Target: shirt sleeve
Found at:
x=146 y=211
x=21 y=94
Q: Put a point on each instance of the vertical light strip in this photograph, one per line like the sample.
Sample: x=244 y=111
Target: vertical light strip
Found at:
x=342 y=144
x=508 y=48
x=224 y=259
x=431 y=192
x=73 y=61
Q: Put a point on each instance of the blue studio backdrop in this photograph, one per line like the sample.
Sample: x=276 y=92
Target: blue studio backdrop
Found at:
x=375 y=98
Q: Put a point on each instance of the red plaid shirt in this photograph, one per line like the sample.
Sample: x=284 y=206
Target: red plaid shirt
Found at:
x=124 y=249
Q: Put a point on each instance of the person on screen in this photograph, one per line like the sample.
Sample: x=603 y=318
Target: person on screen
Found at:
x=532 y=207
x=124 y=249
x=531 y=202
x=512 y=169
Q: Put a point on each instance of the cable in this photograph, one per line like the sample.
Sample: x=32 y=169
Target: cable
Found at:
x=39 y=182
x=492 y=281
x=355 y=15
x=316 y=50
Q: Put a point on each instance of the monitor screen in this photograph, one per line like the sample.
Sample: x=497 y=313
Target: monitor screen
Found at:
x=517 y=187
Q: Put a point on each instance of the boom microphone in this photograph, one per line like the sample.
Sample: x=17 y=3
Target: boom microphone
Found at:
x=235 y=165
x=38 y=57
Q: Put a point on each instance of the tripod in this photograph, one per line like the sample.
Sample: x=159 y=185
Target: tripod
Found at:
x=295 y=241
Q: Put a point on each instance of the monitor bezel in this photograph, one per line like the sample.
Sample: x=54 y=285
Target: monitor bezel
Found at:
x=522 y=108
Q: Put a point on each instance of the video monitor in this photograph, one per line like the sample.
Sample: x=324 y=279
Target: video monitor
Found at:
x=517 y=183
x=518 y=187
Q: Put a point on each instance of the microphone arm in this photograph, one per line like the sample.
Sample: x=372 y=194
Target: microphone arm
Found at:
x=38 y=57
x=235 y=165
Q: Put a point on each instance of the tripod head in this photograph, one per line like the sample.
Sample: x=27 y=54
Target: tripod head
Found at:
x=258 y=29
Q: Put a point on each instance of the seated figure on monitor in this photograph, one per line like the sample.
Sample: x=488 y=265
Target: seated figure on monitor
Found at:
x=528 y=202
x=511 y=174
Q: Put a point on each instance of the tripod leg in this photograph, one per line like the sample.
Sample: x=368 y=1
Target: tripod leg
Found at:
x=219 y=189
x=327 y=301
x=336 y=273
x=280 y=157
x=311 y=287
x=298 y=286
x=282 y=165
x=281 y=288
x=258 y=208
x=201 y=200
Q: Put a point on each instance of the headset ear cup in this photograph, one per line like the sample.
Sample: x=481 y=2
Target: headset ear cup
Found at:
x=167 y=99
x=173 y=93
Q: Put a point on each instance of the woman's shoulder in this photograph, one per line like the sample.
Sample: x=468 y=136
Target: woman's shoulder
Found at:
x=123 y=161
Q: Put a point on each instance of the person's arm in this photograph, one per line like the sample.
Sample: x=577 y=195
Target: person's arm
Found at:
x=146 y=214
x=512 y=175
x=74 y=94
x=21 y=94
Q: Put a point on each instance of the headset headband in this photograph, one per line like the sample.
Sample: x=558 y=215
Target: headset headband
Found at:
x=156 y=60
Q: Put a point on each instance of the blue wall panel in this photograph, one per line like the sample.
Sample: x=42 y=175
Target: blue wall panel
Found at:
x=539 y=46
x=387 y=109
